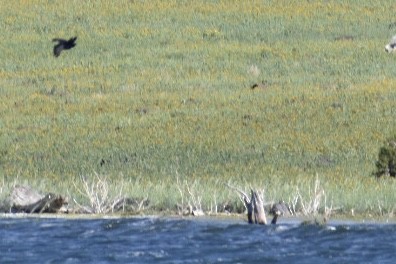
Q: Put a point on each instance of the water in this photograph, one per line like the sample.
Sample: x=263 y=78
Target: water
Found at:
x=167 y=240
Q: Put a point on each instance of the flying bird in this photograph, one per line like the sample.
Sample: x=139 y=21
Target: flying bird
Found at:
x=63 y=45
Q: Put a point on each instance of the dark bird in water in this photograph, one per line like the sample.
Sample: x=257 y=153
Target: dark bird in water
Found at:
x=63 y=45
x=280 y=209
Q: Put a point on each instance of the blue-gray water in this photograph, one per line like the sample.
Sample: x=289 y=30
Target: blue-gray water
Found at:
x=167 y=240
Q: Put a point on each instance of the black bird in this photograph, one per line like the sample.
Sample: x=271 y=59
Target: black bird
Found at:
x=280 y=209
x=63 y=45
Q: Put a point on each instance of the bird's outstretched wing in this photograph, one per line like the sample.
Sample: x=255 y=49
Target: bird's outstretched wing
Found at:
x=58 y=49
x=72 y=40
x=61 y=41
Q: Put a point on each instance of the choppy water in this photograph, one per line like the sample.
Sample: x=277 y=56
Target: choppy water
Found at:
x=166 y=240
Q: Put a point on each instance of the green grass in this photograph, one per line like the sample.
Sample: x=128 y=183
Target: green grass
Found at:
x=160 y=90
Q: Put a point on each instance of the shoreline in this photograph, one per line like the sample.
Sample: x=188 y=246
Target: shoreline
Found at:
x=237 y=218
x=23 y=198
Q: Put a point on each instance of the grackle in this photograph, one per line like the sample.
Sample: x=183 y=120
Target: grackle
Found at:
x=63 y=45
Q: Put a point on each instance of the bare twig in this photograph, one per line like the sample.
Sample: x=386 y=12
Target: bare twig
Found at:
x=243 y=196
x=97 y=192
x=194 y=201
x=312 y=205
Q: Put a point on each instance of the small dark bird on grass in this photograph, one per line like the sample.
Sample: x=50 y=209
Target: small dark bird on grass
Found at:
x=63 y=45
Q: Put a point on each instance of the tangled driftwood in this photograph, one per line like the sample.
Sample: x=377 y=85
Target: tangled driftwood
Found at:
x=24 y=199
x=255 y=208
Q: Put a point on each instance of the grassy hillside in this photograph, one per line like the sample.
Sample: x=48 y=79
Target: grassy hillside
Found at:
x=156 y=97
